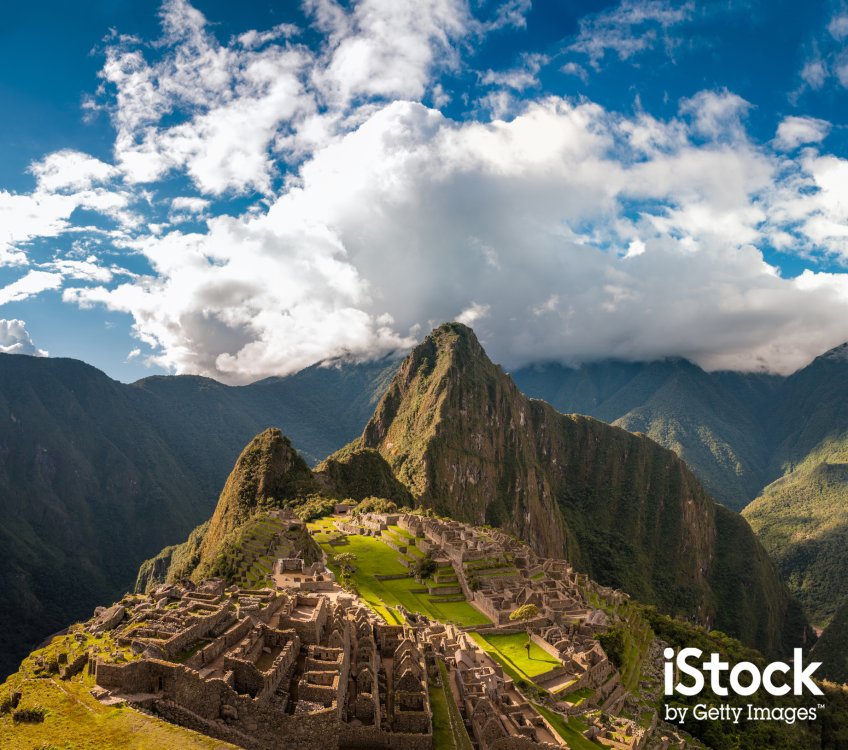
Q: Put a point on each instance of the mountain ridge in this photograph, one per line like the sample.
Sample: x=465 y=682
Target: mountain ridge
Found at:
x=452 y=424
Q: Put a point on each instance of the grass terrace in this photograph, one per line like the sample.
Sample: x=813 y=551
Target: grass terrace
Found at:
x=571 y=730
x=374 y=558
x=510 y=650
x=577 y=697
x=449 y=731
x=74 y=719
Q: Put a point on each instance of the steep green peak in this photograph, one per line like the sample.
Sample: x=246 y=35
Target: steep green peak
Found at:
x=451 y=337
x=446 y=349
x=448 y=362
x=268 y=472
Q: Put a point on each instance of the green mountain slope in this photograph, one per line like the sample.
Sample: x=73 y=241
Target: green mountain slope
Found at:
x=459 y=434
x=268 y=474
x=832 y=647
x=96 y=476
x=714 y=421
x=802 y=519
x=87 y=489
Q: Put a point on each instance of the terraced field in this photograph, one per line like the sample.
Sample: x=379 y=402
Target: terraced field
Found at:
x=376 y=558
x=251 y=561
x=510 y=649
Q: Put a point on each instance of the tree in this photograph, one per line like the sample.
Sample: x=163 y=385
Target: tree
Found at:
x=525 y=613
x=345 y=561
x=425 y=567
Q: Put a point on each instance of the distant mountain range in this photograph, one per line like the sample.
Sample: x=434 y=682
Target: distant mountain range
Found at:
x=781 y=442
x=96 y=476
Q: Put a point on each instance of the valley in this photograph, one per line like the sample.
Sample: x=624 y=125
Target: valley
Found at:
x=461 y=504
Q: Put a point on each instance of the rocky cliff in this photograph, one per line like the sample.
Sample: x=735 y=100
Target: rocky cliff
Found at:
x=458 y=433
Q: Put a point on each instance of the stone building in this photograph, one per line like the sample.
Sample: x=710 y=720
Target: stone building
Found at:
x=272 y=670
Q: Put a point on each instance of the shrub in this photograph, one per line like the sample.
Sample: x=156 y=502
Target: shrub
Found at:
x=34 y=715
x=614 y=645
x=425 y=567
x=376 y=505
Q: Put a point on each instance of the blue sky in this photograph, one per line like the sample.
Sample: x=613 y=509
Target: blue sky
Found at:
x=240 y=191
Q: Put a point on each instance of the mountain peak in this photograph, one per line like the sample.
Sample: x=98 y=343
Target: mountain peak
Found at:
x=455 y=342
x=457 y=432
x=837 y=354
x=267 y=472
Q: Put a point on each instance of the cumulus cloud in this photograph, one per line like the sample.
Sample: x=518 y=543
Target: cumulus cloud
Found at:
x=412 y=217
x=560 y=229
x=14 y=339
x=237 y=98
x=70 y=169
x=716 y=114
x=387 y=48
x=794 y=131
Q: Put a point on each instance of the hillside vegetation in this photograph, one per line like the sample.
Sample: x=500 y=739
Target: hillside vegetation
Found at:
x=96 y=476
x=776 y=446
x=459 y=434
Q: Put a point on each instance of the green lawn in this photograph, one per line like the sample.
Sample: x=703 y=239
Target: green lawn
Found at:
x=510 y=649
x=576 y=697
x=401 y=532
x=373 y=557
x=448 y=728
x=571 y=731
x=75 y=720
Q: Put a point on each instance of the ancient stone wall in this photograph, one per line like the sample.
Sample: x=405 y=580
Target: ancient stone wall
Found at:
x=209 y=653
x=371 y=738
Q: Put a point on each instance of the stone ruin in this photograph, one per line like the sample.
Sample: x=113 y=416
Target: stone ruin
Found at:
x=302 y=668
x=497 y=574
x=271 y=670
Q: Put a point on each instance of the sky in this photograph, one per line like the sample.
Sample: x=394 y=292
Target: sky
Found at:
x=241 y=190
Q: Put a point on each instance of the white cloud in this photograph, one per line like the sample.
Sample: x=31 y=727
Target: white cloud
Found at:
x=838 y=26
x=30 y=284
x=829 y=57
x=415 y=216
x=814 y=73
x=15 y=339
x=575 y=69
x=387 y=48
x=509 y=14
x=186 y=208
x=794 y=131
x=559 y=228
x=473 y=313
x=716 y=114
x=522 y=77
x=70 y=169
x=237 y=96
x=629 y=28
